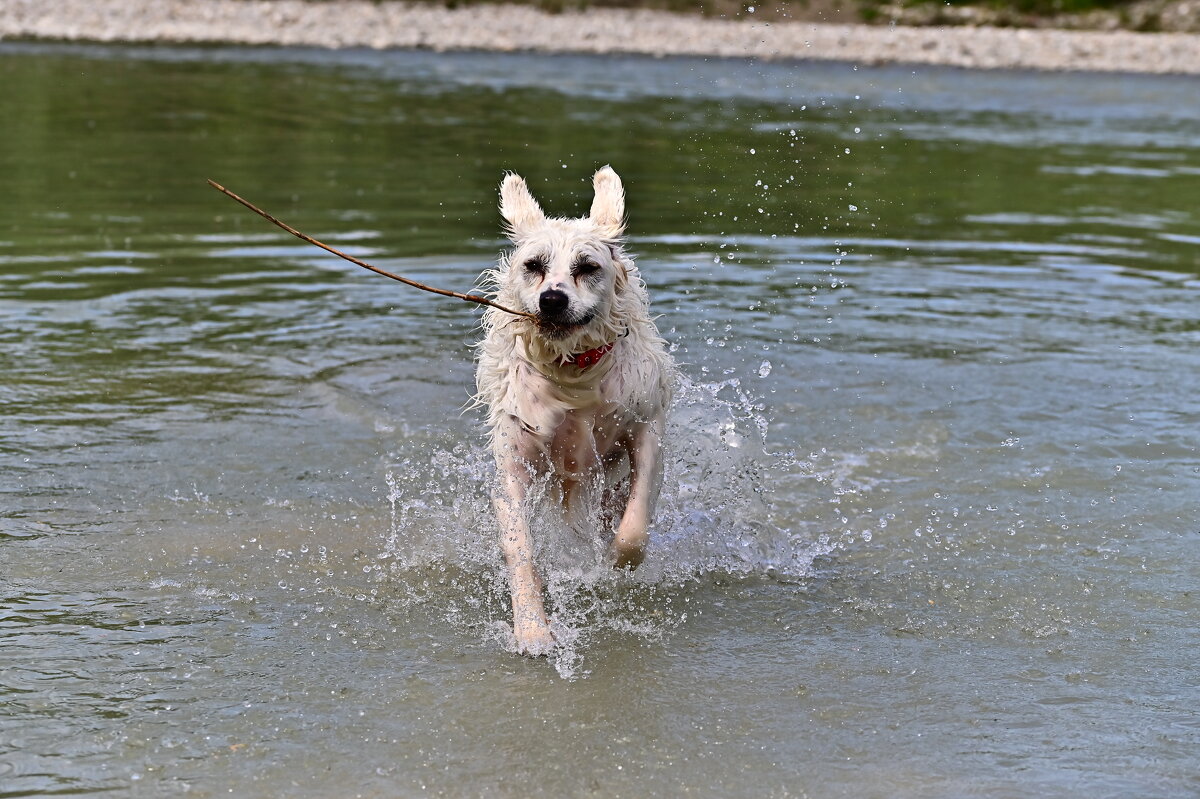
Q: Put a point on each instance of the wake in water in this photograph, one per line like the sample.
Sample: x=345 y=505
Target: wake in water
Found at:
x=714 y=519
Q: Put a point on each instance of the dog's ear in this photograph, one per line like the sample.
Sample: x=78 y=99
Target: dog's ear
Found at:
x=518 y=207
x=608 y=207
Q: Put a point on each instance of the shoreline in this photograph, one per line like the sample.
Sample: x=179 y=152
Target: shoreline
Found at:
x=390 y=24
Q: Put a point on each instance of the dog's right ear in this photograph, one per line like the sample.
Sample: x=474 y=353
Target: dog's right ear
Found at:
x=518 y=207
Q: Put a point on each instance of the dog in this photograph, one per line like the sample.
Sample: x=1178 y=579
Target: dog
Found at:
x=577 y=396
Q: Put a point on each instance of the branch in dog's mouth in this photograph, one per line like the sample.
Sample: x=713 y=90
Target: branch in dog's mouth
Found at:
x=444 y=292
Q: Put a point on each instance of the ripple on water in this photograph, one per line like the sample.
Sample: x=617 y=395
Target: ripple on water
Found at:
x=975 y=498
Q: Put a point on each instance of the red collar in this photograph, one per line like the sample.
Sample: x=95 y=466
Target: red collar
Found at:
x=586 y=360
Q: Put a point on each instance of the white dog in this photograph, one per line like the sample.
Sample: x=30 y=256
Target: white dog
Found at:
x=576 y=399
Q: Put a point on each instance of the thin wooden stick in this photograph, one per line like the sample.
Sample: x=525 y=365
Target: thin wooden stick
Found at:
x=468 y=297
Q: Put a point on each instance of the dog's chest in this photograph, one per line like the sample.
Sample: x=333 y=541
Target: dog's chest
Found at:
x=584 y=439
x=576 y=421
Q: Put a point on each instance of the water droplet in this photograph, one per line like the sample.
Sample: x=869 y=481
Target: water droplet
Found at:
x=764 y=369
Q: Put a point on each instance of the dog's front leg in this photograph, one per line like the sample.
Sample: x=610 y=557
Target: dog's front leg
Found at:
x=531 y=628
x=645 y=460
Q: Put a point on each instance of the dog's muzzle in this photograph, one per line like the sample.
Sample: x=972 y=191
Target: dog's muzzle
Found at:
x=553 y=304
x=555 y=318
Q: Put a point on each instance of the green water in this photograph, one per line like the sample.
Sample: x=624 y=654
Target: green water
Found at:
x=931 y=499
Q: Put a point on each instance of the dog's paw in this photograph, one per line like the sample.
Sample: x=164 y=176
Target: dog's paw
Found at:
x=533 y=638
x=628 y=559
x=628 y=550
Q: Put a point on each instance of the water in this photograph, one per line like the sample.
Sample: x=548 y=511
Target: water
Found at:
x=931 y=503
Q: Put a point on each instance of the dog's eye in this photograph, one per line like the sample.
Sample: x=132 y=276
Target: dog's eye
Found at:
x=585 y=266
x=536 y=265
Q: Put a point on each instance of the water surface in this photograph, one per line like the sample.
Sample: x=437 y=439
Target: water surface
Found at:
x=931 y=506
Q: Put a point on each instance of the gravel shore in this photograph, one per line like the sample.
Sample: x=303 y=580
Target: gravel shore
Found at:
x=365 y=23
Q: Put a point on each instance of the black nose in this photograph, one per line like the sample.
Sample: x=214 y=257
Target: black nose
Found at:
x=553 y=302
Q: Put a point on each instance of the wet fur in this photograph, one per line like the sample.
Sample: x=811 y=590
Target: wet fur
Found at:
x=593 y=435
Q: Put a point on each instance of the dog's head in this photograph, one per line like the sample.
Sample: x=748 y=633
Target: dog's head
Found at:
x=567 y=272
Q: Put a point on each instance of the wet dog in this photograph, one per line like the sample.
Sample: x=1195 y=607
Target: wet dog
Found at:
x=577 y=397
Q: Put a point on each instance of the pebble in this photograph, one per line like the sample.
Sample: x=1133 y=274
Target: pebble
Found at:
x=390 y=24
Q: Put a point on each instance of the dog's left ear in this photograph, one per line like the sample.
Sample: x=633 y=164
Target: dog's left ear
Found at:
x=608 y=207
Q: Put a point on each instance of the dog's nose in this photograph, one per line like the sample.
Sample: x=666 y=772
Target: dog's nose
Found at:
x=553 y=302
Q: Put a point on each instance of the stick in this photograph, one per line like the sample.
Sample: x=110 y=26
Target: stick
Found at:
x=468 y=297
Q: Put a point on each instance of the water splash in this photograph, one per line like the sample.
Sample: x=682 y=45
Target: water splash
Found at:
x=715 y=520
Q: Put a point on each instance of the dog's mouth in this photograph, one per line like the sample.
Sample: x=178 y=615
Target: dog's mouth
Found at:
x=557 y=327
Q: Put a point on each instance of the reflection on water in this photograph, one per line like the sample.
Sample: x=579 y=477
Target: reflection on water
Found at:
x=931 y=488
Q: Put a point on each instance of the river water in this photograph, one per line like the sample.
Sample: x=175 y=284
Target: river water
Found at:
x=930 y=516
